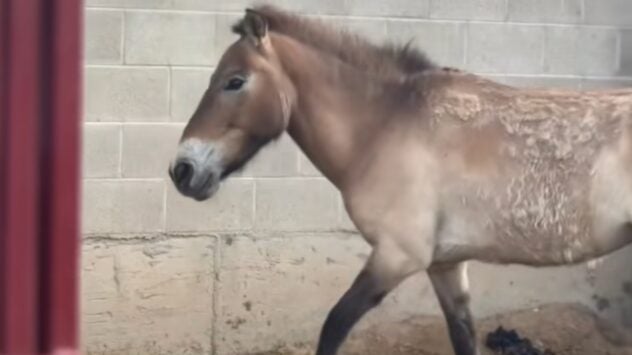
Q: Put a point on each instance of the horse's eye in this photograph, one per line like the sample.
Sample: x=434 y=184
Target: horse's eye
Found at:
x=234 y=84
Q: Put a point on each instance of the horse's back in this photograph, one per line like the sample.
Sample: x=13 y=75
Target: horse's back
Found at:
x=533 y=176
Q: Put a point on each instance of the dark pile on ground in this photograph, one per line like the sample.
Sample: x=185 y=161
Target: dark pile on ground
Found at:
x=561 y=328
x=508 y=342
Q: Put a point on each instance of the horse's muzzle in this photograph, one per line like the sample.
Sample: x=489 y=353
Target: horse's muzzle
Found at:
x=199 y=184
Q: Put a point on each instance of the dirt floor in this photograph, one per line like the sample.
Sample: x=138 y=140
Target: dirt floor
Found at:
x=562 y=329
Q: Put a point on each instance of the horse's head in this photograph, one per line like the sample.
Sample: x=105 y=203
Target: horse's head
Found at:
x=246 y=105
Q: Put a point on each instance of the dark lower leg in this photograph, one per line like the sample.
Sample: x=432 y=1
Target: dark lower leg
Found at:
x=363 y=295
x=450 y=284
x=462 y=333
x=383 y=272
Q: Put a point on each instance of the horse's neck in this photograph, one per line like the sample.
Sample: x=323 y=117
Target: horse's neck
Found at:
x=332 y=116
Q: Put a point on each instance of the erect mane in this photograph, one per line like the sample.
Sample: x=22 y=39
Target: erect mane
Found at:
x=389 y=60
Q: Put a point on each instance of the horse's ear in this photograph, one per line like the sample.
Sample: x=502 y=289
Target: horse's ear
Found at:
x=253 y=26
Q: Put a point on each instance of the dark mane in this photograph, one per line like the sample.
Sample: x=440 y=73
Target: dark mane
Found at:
x=389 y=60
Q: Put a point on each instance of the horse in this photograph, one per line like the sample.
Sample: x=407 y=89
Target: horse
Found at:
x=436 y=166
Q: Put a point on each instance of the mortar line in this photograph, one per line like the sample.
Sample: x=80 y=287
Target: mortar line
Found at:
x=157 y=236
x=164 y=206
x=288 y=177
x=367 y=17
x=128 y=123
x=562 y=76
x=123 y=30
x=169 y=92
x=543 y=48
x=299 y=163
x=120 y=155
x=217 y=264
x=123 y=179
x=341 y=210
x=88 y=65
x=126 y=66
x=466 y=41
x=618 y=55
x=254 y=203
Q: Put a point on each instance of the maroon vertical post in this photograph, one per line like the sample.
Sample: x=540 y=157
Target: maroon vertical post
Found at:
x=21 y=119
x=40 y=100
x=62 y=182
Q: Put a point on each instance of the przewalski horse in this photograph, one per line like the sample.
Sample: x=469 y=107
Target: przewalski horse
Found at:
x=436 y=166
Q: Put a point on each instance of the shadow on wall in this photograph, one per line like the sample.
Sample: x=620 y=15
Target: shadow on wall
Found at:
x=611 y=276
x=625 y=68
x=616 y=13
x=611 y=280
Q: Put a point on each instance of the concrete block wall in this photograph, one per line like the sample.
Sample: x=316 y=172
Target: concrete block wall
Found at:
x=260 y=265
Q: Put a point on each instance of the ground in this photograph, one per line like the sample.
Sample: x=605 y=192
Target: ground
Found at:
x=565 y=329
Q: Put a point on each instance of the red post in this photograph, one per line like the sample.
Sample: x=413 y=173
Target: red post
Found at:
x=21 y=174
x=40 y=96
x=62 y=184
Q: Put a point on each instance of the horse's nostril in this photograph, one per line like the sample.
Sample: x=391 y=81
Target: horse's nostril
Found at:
x=183 y=173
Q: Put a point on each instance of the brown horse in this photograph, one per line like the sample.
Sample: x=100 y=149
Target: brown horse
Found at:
x=436 y=166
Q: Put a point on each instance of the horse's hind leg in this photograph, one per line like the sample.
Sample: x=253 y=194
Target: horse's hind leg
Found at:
x=451 y=286
x=384 y=270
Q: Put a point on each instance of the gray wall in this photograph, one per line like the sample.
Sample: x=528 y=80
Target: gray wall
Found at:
x=261 y=264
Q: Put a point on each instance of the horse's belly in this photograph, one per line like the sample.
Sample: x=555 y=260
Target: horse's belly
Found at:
x=551 y=218
x=525 y=221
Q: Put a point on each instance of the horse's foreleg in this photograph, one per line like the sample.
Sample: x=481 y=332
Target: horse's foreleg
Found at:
x=451 y=286
x=384 y=270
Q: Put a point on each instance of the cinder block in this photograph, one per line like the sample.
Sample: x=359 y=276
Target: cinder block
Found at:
x=306 y=167
x=224 y=35
x=169 y=38
x=468 y=9
x=373 y=30
x=103 y=36
x=123 y=206
x=148 y=149
x=148 y=298
x=545 y=11
x=448 y=51
x=583 y=51
x=609 y=12
x=602 y=84
x=541 y=82
x=324 y=7
x=229 y=6
x=277 y=159
x=132 y=4
x=501 y=48
x=626 y=53
x=298 y=204
x=127 y=94
x=231 y=209
x=500 y=288
x=346 y=223
x=399 y=8
x=204 y=5
x=265 y=284
x=101 y=150
x=187 y=88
